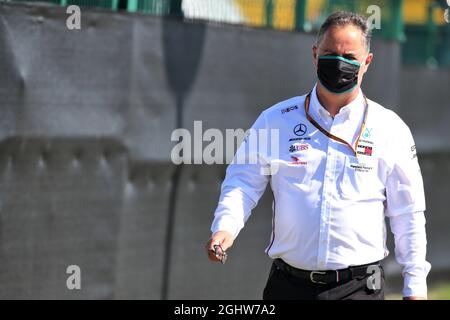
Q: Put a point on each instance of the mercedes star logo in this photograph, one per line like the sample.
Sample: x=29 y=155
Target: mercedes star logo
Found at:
x=300 y=129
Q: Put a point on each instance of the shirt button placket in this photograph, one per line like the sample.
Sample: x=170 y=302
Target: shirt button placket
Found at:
x=325 y=209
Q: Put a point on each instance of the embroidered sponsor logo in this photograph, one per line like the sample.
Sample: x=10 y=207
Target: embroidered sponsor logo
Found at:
x=367 y=133
x=300 y=129
x=366 y=141
x=299 y=147
x=364 y=150
x=288 y=109
x=414 y=152
x=299 y=139
x=361 y=167
x=297 y=160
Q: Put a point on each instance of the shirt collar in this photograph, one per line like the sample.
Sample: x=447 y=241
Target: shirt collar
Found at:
x=352 y=111
x=352 y=114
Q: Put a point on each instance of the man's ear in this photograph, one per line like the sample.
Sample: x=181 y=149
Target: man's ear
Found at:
x=314 y=54
x=368 y=60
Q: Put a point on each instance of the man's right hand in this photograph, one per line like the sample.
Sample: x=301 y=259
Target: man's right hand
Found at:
x=222 y=238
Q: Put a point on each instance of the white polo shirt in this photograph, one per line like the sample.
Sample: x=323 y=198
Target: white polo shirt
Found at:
x=329 y=204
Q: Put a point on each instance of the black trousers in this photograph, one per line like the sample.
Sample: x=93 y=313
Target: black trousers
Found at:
x=282 y=286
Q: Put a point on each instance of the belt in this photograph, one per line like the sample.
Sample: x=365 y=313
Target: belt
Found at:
x=329 y=276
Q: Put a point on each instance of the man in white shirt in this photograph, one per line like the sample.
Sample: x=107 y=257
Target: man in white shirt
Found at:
x=342 y=164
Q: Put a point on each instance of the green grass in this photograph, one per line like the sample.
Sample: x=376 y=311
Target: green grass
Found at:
x=439 y=292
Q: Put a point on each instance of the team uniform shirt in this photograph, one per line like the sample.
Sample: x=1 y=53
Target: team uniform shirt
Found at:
x=330 y=201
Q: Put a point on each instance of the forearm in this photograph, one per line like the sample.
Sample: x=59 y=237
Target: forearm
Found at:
x=232 y=212
x=410 y=251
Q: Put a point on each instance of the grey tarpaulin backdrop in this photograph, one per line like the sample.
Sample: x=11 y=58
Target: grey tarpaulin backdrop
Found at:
x=85 y=172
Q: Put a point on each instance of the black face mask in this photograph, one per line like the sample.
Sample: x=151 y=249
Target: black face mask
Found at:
x=337 y=74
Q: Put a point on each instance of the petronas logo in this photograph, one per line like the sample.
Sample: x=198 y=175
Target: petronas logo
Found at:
x=367 y=133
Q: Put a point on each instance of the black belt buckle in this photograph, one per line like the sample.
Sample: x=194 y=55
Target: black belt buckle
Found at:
x=311 y=276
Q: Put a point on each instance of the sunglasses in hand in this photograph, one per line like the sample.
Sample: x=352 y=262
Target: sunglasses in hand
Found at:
x=220 y=253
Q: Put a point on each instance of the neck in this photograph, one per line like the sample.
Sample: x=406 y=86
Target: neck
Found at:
x=334 y=102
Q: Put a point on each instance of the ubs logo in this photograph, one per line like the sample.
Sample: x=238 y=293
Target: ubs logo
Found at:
x=299 y=147
x=300 y=130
